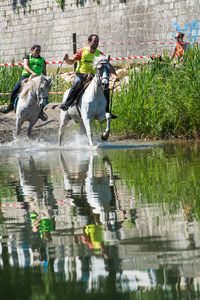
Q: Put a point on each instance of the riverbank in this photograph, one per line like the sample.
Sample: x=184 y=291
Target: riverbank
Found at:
x=47 y=131
x=43 y=130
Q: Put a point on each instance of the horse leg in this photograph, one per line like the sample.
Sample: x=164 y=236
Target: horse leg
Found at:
x=64 y=119
x=18 y=125
x=82 y=129
x=30 y=128
x=86 y=123
x=106 y=133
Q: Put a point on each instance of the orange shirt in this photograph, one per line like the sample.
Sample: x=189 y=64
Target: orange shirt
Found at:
x=180 y=48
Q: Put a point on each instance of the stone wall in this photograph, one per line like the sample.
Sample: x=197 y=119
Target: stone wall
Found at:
x=132 y=22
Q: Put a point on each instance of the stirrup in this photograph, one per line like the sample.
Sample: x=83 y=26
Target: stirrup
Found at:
x=113 y=116
x=7 y=109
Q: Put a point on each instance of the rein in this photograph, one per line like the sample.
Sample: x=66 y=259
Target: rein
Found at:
x=113 y=87
x=58 y=69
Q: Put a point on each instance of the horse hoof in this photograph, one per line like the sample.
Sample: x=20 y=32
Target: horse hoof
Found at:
x=105 y=136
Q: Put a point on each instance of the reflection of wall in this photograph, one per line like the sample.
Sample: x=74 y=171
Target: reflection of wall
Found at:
x=26 y=22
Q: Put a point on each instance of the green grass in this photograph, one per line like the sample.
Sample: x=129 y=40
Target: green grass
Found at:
x=160 y=101
x=9 y=76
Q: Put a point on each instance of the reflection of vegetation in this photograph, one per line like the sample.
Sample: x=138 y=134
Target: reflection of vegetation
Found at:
x=32 y=283
x=162 y=175
x=41 y=285
x=7 y=184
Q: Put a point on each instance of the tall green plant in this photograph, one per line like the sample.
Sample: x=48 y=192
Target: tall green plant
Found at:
x=160 y=100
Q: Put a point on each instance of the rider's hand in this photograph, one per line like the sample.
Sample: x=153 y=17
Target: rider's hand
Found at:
x=116 y=78
x=66 y=57
x=34 y=74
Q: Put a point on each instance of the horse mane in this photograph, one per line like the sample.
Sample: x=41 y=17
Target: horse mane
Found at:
x=98 y=59
x=31 y=84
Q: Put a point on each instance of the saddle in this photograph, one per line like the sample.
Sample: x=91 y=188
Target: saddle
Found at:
x=84 y=85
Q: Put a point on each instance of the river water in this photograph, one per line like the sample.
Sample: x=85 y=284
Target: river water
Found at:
x=120 y=222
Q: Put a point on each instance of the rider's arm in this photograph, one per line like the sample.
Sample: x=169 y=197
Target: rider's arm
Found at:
x=77 y=56
x=26 y=67
x=69 y=61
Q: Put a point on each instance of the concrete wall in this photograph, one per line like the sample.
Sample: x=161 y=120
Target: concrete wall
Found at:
x=25 y=22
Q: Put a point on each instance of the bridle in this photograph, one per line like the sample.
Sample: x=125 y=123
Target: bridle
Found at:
x=102 y=74
x=40 y=99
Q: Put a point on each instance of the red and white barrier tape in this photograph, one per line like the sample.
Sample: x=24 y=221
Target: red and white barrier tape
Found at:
x=116 y=58
x=67 y=201
x=136 y=43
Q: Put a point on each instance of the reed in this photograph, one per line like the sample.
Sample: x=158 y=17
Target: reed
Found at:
x=160 y=101
x=9 y=76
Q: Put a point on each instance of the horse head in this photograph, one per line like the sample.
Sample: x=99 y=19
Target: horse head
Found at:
x=43 y=90
x=102 y=71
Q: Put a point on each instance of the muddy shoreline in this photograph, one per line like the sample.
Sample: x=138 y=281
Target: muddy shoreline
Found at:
x=48 y=131
x=41 y=129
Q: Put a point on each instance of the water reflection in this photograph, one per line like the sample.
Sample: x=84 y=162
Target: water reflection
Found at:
x=102 y=220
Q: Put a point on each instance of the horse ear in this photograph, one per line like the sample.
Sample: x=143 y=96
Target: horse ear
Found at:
x=109 y=58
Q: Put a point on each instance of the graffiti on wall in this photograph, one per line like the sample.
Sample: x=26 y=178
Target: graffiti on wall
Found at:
x=191 y=31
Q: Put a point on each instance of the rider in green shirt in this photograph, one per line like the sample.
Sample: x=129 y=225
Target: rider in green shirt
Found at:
x=34 y=65
x=85 y=58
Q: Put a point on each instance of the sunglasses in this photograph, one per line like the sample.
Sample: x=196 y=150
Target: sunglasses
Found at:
x=178 y=37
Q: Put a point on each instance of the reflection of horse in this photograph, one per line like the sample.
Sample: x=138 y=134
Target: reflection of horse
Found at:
x=31 y=100
x=96 y=188
x=38 y=195
x=91 y=103
x=34 y=182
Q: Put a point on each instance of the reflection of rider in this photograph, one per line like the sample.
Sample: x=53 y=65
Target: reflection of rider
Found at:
x=42 y=223
x=34 y=65
x=93 y=235
x=85 y=58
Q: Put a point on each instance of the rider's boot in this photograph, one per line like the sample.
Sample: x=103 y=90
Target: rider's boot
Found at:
x=7 y=109
x=113 y=116
x=42 y=116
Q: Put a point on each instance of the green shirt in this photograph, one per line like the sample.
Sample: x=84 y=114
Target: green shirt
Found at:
x=35 y=64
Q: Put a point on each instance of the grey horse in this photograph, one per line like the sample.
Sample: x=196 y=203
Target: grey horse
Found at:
x=91 y=103
x=32 y=99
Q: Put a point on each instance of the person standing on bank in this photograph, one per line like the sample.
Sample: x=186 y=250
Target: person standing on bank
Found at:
x=34 y=65
x=85 y=58
x=179 y=48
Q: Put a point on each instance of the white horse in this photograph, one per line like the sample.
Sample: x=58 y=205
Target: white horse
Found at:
x=32 y=99
x=91 y=103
